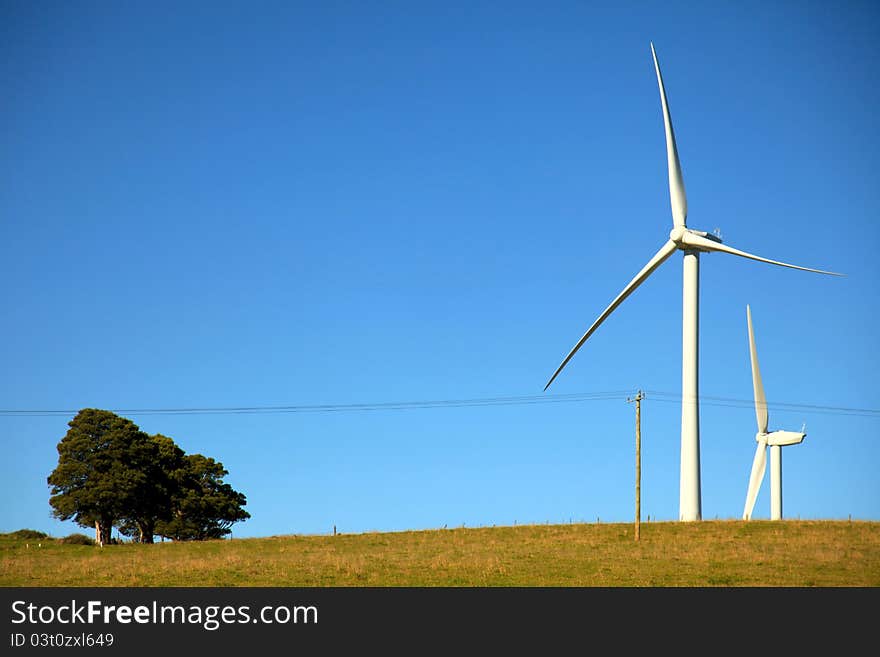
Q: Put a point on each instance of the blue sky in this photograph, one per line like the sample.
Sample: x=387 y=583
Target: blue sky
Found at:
x=214 y=205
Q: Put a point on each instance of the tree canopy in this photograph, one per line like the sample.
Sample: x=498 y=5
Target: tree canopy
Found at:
x=110 y=473
x=203 y=506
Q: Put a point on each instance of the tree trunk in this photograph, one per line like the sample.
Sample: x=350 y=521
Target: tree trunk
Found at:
x=146 y=532
x=102 y=532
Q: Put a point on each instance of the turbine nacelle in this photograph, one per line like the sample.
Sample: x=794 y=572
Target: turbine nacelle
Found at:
x=781 y=438
x=688 y=239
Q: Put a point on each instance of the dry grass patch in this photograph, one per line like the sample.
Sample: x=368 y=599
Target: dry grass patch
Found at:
x=710 y=553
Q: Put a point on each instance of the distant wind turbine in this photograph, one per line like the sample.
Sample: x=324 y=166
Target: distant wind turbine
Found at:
x=776 y=441
x=692 y=242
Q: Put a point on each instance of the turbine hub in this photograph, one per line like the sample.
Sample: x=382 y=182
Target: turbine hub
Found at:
x=677 y=235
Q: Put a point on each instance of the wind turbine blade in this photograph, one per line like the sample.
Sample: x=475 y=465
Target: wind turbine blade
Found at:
x=677 y=197
x=705 y=244
x=755 y=479
x=665 y=251
x=758 y=386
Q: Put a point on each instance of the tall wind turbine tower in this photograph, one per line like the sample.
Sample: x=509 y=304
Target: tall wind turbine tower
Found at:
x=692 y=243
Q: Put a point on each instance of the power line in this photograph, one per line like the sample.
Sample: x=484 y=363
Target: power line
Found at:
x=708 y=400
x=521 y=400
x=333 y=408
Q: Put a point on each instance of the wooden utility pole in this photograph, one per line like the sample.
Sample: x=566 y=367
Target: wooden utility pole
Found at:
x=638 y=400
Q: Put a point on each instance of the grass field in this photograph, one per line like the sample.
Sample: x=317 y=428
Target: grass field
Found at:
x=724 y=553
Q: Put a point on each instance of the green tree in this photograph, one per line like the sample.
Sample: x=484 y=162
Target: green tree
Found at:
x=205 y=506
x=104 y=472
x=164 y=467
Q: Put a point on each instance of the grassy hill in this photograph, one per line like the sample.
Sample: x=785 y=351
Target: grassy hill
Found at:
x=670 y=554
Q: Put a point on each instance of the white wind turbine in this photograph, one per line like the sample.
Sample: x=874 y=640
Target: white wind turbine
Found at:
x=776 y=440
x=692 y=242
